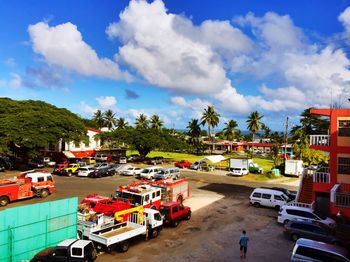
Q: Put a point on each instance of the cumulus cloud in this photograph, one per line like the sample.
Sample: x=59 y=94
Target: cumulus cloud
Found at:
x=63 y=45
x=45 y=76
x=344 y=18
x=87 y=109
x=196 y=105
x=106 y=101
x=16 y=81
x=10 y=62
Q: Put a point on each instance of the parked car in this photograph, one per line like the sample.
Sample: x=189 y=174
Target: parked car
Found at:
x=131 y=171
x=290 y=194
x=268 y=197
x=70 y=170
x=112 y=169
x=36 y=163
x=288 y=213
x=47 y=162
x=100 y=172
x=2 y=168
x=196 y=165
x=58 y=168
x=168 y=172
x=312 y=230
x=134 y=157
x=174 y=212
x=150 y=172
x=310 y=250
x=238 y=171
x=101 y=165
x=101 y=157
x=155 y=160
x=121 y=168
x=68 y=250
x=122 y=160
x=7 y=162
x=89 y=160
x=85 y=171
x=183 y=164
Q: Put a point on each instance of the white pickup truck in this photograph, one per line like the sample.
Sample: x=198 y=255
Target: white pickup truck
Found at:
x=118 y=236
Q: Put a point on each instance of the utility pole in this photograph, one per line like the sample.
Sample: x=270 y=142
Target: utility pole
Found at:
x=286 y=140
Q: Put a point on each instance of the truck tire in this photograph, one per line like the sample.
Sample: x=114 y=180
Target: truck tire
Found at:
x=69 y=173
x=256 y=204
x=124 y=246
x=175 y=223
x=4 y=201
x=44 y=193
x=154 y=233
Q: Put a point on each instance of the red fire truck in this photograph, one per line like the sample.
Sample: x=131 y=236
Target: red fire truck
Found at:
x=173 y=190
x=104 y=205
x=26 y=185
x=141 y=195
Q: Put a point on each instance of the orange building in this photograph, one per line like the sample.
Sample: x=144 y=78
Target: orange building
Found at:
x=328 y=188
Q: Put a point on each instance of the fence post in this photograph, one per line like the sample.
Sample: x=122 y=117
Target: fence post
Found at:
x=10 y=243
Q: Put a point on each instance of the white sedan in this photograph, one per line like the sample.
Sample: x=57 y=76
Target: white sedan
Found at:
x=131 y=171
x=238 y=171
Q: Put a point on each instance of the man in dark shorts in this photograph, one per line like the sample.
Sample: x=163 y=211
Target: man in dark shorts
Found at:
x=243 y=244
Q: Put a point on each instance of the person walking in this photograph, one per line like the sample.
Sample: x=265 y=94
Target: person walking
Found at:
x=243 y=243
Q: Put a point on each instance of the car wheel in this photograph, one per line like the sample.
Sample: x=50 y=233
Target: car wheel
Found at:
x=285 y=222
x=69 y=173
x=277 y=207
x=294 y=237
x=155 y=233
x=124 y=246
x=175 y=223
x=256 y=204
x=188 y=216
x=4 y=201
x=44 y=193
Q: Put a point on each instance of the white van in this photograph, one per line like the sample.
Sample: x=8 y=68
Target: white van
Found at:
x=268 y=197
x=150 y=172
x=168 y=172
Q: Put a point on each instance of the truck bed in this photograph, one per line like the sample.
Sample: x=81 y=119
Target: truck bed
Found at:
x=117 y=233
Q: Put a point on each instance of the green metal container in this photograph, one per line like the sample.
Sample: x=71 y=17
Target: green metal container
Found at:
x=26 y=230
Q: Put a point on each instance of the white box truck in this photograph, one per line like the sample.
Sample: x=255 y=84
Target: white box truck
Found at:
x=245 y=163
x=293 y=167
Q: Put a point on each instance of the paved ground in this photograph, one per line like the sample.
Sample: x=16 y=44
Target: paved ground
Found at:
x=221 y=211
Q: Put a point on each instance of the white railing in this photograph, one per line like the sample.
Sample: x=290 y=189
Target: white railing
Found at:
x=342 y=199
x=300 y=204
x=319 y=140
x=322 y=175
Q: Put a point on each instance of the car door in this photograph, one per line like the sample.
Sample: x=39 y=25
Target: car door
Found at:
x=278 y=200
x=266 y=200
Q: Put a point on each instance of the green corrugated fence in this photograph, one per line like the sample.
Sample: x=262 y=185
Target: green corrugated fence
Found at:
x=26 y=230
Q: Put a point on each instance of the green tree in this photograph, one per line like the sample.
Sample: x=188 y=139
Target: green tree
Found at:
x=28 y=126
x=141 y=121
x=312 y=124
x=121 y=123
x=156 y=122
x=300 y=142
x=267 y=130
x=211 y=118
x=99 y=119
x=230 y=129
x=194 y=131
x=254 y=124
x=109 y=119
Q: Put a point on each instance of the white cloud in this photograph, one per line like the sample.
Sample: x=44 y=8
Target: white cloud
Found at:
x=344 y=18
x=85 y=108
x=106 y=101
x=196 y=105
x=63 y=45
x=10 y=62
x=16 y=81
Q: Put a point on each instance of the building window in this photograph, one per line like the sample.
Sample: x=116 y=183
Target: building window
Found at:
x=344 y=165
x=344 y=128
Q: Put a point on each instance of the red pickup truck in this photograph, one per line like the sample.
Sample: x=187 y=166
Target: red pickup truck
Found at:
x=174 y=212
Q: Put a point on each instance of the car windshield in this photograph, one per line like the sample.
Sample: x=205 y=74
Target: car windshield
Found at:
x=164 y=210
x=130 y=168
x=323 y=217
x=236 y=169
x=145 y=171
x=134 y=199
x=161 y=172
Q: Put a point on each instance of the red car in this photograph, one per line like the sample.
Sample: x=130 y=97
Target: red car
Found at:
x=183 y=164
x=174 y=212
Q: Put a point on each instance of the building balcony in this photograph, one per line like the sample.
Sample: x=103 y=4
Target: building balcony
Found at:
x=321 y=175
x=319 y=140
x=340 y=197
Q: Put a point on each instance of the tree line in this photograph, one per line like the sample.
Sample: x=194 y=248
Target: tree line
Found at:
x=27 y=126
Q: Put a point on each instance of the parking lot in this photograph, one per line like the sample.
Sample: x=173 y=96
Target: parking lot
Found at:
x=221 y=211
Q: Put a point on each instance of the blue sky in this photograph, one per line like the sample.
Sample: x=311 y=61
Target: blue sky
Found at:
x=174 y=58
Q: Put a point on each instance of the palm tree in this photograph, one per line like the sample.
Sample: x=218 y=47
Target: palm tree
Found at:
x=230 y=129
x=210 y=117
x=99 y=119
x=109 y=119
x=156 y=122
x=253 y=124
x=194 y=130
x=121 y=123
x=141 y=121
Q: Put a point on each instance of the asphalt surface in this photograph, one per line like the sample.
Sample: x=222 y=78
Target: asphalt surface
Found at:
x=212 y=233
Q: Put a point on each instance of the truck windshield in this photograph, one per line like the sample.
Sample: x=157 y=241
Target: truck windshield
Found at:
x=164 y=210
x=134 y=199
